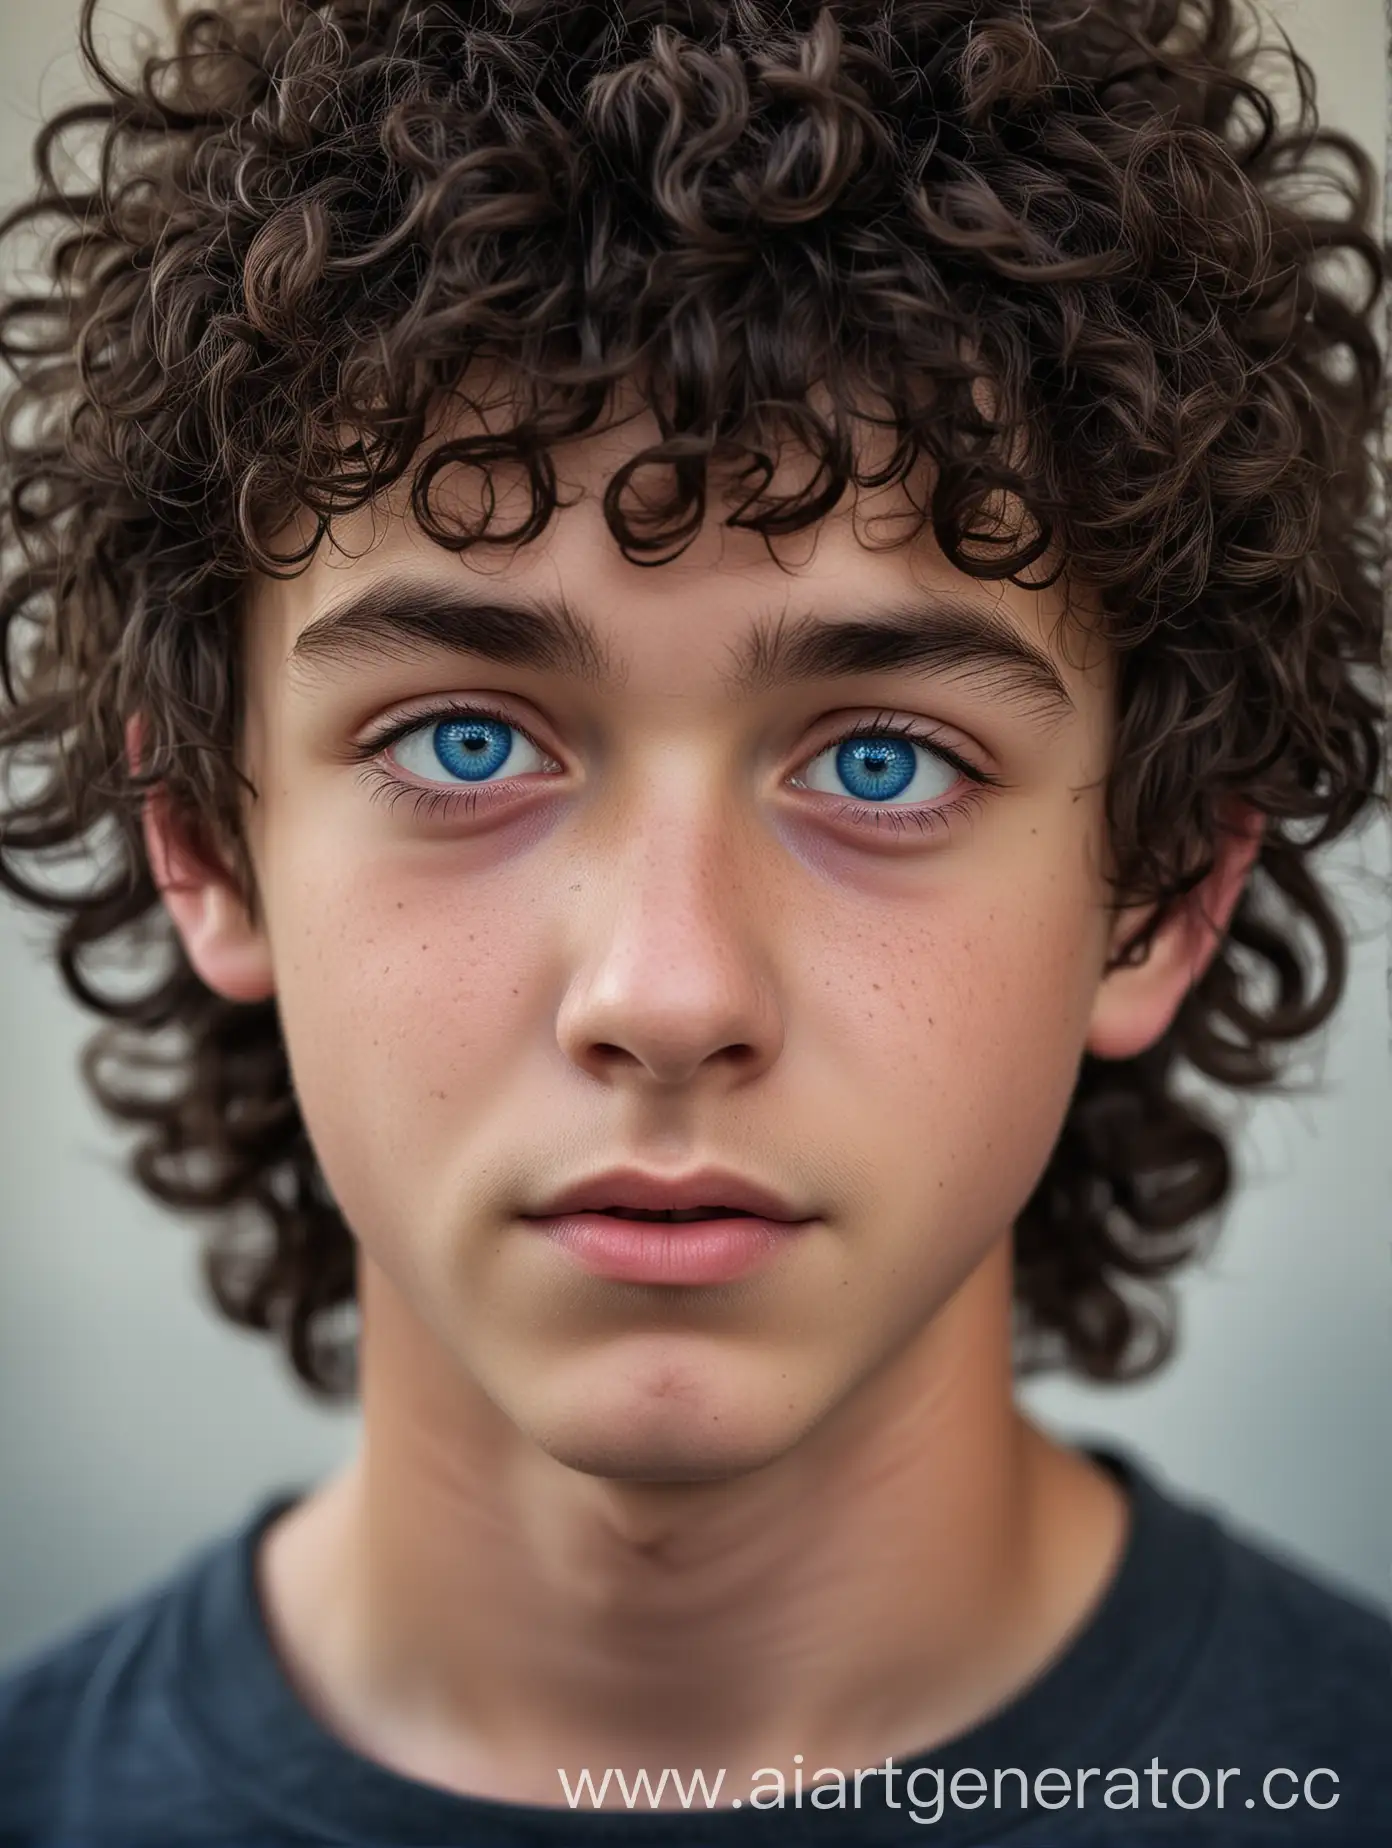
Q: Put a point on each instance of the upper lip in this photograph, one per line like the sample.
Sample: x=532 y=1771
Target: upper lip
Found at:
x=656 y=1193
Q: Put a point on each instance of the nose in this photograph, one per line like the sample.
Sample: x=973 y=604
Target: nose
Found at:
x=671 y=983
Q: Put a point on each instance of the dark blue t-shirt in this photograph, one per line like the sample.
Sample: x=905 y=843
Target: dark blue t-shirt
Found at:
x=171 y=1721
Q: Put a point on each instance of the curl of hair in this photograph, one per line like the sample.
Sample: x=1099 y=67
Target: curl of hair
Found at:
x=308 y=219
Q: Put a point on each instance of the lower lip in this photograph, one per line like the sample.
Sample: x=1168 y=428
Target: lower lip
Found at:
x=690 y=1251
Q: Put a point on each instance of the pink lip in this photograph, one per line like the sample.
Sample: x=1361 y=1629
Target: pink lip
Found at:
x=688 y=1252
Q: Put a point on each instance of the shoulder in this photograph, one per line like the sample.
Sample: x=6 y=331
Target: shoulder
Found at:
x=1293 y=1685
x=1299 y=1638
x=95 y=1736
x=44 y=1700
x=1275 y=1632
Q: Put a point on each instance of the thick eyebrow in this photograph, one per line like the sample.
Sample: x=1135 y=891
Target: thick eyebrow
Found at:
x=939 y=634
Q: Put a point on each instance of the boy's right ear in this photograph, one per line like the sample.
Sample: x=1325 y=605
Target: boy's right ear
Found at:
x=229 y=951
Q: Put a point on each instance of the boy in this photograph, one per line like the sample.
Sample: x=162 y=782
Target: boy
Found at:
x=707 y=641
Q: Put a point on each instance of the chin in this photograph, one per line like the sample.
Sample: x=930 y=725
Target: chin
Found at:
x=611 y=1459
x=672 y=1424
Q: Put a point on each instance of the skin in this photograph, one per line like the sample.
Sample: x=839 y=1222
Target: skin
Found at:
x=625 y=1525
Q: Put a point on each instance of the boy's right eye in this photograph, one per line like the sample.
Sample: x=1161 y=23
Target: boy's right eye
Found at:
x=466 y=748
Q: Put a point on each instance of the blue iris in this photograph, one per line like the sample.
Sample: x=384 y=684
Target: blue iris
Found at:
x=473 y=748
x=874 y=768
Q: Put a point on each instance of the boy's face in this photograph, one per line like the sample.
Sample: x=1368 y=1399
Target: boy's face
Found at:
x=649 y=914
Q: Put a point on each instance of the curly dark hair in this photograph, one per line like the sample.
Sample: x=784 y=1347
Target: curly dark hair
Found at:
x=310 y=216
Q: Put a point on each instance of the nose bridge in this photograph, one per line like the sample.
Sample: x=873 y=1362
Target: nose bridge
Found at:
x=666 y=957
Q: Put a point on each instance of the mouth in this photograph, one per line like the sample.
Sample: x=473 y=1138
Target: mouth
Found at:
x=670 y=1216
x=699 y=1196
x=698 y=1246
x=709 y=1226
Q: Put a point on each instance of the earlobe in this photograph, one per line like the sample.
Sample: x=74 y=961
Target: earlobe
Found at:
x=227 y=948
x=1135 y=1005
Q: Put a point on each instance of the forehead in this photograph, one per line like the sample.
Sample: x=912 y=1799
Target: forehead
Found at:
x=715 y=604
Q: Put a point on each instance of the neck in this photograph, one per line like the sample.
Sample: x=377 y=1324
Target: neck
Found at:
x=464 y=1608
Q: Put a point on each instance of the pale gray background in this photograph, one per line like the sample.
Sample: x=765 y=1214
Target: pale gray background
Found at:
x=132 y=1423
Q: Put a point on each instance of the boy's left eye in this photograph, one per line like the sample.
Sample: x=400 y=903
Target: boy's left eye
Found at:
x=880 y=767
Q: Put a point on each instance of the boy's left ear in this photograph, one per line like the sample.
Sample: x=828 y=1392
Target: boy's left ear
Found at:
x=1134 y=1006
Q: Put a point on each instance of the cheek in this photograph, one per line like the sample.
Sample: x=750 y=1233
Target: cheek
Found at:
x=1017 y=1002
x=407 y=995
x=962 y=1026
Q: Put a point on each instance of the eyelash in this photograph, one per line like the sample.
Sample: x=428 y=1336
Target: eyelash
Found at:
x=431 y=802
